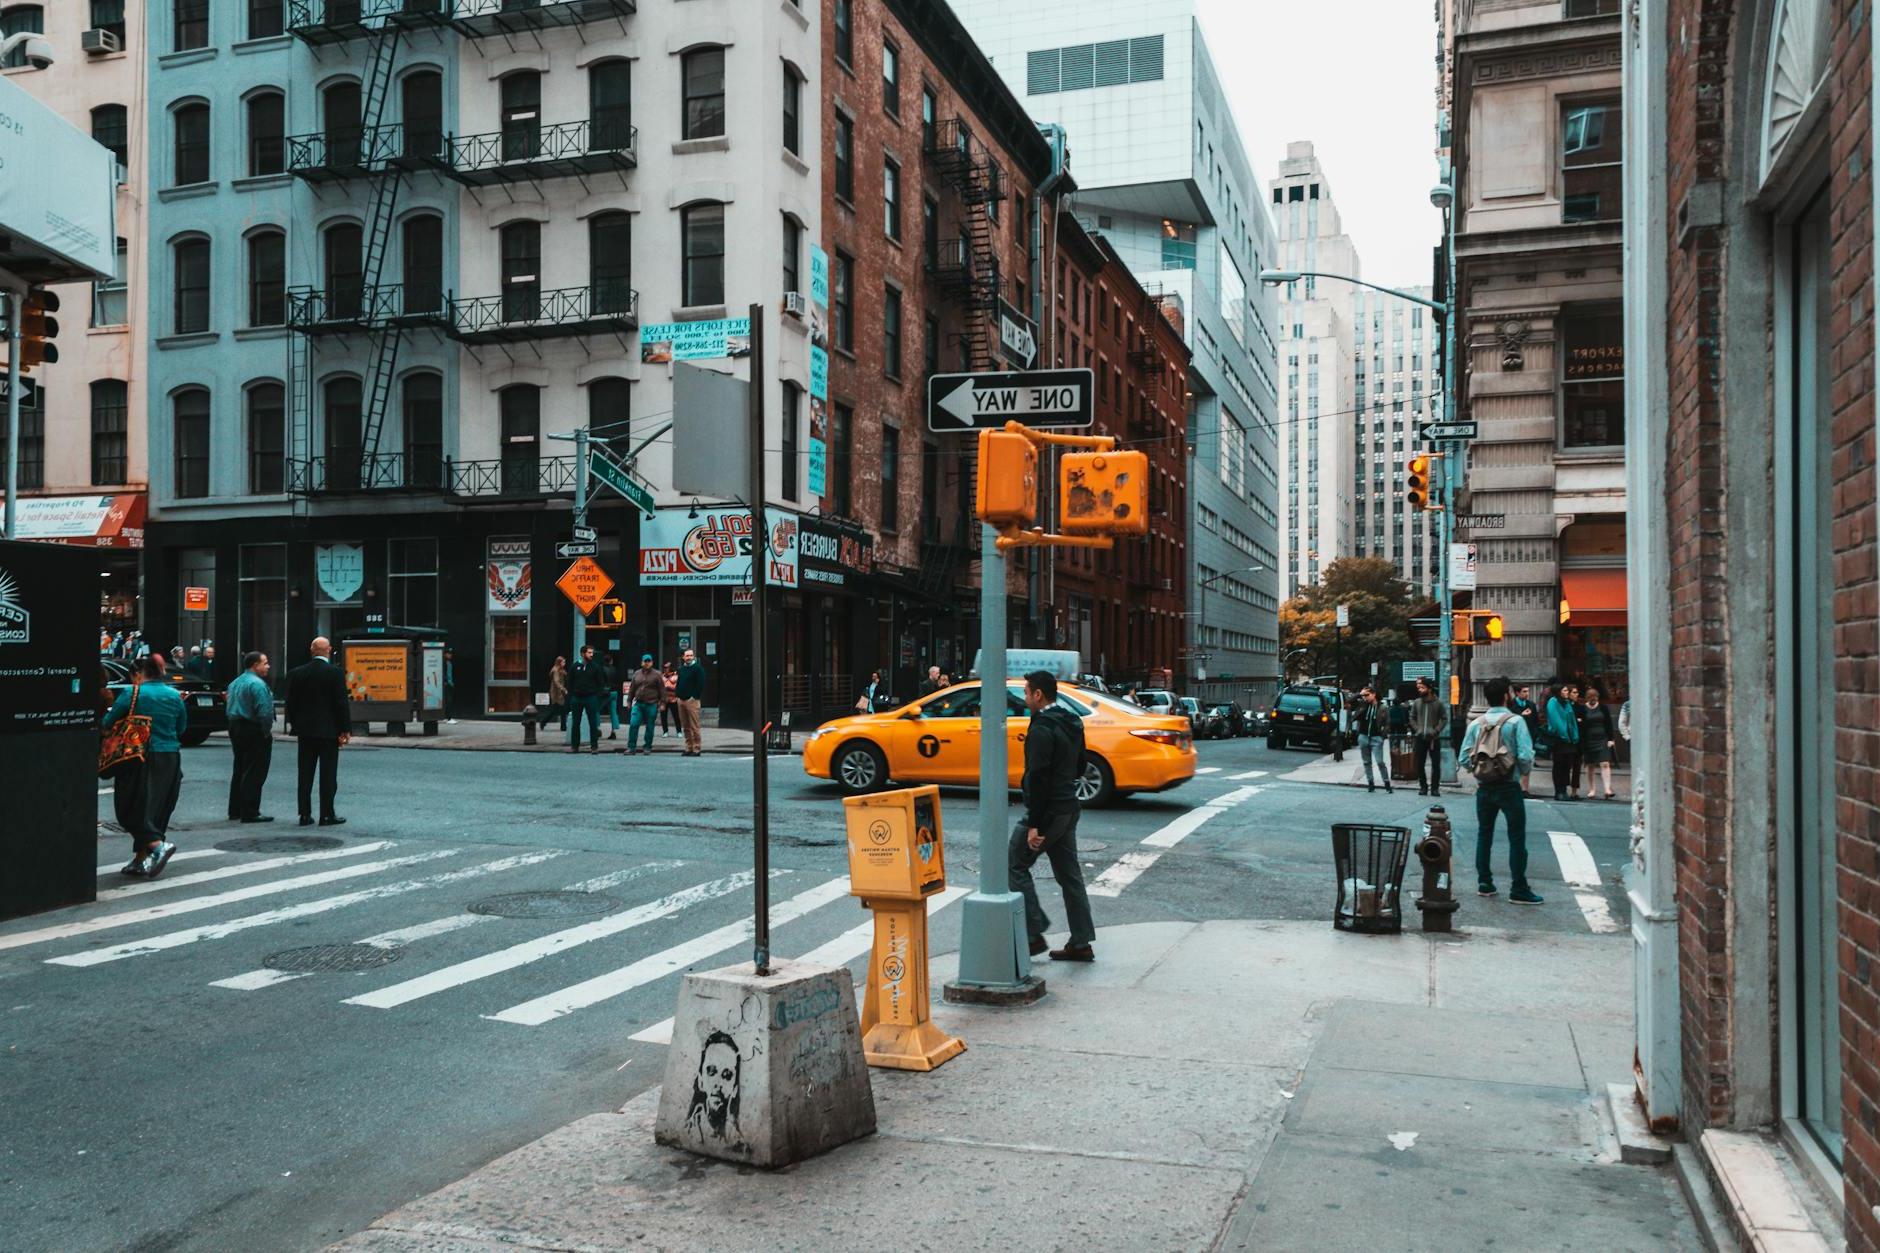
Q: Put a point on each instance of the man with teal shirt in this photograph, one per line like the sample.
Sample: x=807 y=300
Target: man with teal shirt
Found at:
x=145 y=796
x=251 y=733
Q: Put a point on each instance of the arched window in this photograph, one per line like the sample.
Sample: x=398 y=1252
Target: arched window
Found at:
x=522 y=271
x=423 y=253
x=422 y=96
x=610 y=263
x=110 y=432
x=21 y=19
x=267 y=278
x=267 y=131
x=191 y=273
x=610 y=105
x=702 y=237
x=522 y=115
x=191 y=122
x=341 y=118
x=267 y=439
x=521 y=408
x=345 y=270
x=424 y=430
x=610 y=404
x=189 y=433
x=110 y=126
x=344 y=433
x=703 y=72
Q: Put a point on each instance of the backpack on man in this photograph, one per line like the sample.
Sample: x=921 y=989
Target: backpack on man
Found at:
x=1492 y=758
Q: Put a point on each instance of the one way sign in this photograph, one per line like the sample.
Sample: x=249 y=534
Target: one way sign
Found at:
x=971 y=402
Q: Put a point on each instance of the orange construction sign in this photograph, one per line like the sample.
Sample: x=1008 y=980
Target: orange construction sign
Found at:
x=585 y=583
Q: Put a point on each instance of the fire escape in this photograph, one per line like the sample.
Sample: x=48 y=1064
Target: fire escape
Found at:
x=965 y=268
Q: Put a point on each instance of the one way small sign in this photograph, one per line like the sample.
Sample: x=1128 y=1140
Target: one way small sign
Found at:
x=971 y=402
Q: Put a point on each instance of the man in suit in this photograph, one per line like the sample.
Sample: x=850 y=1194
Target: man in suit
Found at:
x=319 y=715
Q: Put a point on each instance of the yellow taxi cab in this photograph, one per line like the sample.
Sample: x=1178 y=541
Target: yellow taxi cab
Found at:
x=936 y=740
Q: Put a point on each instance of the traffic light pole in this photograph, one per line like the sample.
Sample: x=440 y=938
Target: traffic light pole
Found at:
x=580 y=520
x=1452 y=452
x=15 y=311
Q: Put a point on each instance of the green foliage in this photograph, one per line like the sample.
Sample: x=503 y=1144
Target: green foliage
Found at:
x=1381 y=606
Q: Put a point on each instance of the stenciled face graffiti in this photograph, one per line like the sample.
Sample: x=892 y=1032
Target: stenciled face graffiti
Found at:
x=716 y=1089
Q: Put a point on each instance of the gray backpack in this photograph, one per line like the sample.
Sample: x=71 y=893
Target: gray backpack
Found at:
x=1492 y=759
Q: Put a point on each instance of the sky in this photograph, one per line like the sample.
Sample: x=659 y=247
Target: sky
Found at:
x=1358 y=79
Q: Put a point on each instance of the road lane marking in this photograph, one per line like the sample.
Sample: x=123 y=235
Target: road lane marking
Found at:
x=1581 y=873
x=288 y=913
x=240 y=868
x=603 y=987
x=1248 y=774
x=261 y=978
x=840 y=951
x=215 y=900
x=544 y=946
x=1126 y=869
x=114 y=867
x=1207 y=769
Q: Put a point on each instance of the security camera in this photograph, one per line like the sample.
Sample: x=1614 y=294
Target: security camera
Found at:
x=34 y=49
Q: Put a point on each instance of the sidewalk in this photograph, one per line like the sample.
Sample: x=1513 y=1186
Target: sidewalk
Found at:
x=506 y=737
x=1350 y=773
x=1216 y=1085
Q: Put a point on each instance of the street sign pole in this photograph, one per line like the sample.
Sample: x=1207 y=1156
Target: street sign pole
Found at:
x=13 y=308
x=580 y=520
x=760 y=658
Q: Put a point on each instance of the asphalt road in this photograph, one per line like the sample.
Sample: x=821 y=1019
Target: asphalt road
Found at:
x=166 y=1088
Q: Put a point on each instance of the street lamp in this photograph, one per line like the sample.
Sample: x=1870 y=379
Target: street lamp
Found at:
x=1201 y=599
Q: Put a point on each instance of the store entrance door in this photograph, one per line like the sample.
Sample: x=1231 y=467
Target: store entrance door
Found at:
x=701 y=638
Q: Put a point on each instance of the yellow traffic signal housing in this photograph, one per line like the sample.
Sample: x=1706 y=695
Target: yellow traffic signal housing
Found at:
x=609 y=615
x=1488 y=628
x=1007 y=493
x=1416 y=491
x=37 y=329
x=1104 y=493
x=1469 y=627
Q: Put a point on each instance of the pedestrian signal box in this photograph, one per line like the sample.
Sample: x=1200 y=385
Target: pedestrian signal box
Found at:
x=895 y=847
x=1104 y=493
x=1008 y=479
x=609 y=615
x=1475 y=626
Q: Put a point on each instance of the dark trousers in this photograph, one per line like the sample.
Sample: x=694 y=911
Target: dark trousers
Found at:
x=580 y=707
x=254 y=753
x=144 y=798
x=668 y=716
x=1506 y=798
x=1429 y=748
x=1060 y=845
x=321 y=755
x=1566 y=767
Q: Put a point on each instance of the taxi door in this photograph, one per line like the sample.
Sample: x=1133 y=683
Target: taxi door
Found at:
x=1017 y=726
x=941 y=744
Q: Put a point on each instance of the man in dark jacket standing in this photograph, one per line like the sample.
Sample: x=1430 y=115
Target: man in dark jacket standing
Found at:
x=588 y=685
x=1428 y=722
x=319 y=715
x=1054 y=760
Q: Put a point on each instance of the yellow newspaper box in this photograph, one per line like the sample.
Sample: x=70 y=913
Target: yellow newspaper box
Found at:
x=896 y=861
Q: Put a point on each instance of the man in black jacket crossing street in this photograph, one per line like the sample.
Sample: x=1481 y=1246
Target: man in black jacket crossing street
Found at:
x=1054 y=760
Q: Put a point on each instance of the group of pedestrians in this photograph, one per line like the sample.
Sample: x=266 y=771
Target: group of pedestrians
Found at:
x=1581 y=733
x=668 y=697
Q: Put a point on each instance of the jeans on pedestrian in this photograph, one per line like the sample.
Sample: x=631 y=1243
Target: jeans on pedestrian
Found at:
x=643 y=714
x=613 y=711
x=1060 y=845
x=588 y=707
x=1566 y=767
x=1429 y=748
x=1507 y=798
x=1378 y=745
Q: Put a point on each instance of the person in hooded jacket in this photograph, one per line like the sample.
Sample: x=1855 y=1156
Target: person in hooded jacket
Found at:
x=1054 y=761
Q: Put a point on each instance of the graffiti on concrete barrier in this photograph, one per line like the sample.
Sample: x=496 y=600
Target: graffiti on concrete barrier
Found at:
x=717 y=1091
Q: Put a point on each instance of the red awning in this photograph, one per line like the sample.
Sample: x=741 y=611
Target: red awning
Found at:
x=112 y=521
x=1595 y=598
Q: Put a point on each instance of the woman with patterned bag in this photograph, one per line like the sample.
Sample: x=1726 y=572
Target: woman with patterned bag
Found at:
x=143 y=753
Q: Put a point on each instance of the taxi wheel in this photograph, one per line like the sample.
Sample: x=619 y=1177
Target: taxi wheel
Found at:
x=1096 y=785
x=860 y=767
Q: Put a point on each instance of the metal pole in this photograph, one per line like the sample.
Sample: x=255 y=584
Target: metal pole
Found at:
x=13 y=306
x=580 y=520
x=760 y=658
x=1445 y=518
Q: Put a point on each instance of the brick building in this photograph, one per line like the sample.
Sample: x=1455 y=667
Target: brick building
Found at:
x=1122 y=609
x=1756 y=721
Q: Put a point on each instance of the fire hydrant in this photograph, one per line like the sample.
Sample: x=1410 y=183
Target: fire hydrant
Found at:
x=529 y=720
x=1438 y=901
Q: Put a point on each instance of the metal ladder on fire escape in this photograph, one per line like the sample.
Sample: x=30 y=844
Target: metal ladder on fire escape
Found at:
x=976 y=180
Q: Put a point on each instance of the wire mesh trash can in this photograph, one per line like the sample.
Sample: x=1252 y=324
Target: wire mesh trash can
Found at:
x=1370 y=861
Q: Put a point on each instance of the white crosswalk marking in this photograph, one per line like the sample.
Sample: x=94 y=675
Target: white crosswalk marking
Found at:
x=243 y=868
x=534 y=950
x=215 y=900
x=113 y=867
x=1248 y=774
x=1130 y=866
x=840 y=951
x=604 y=987
x=1581 y=873
x=1207 y=769
x=288 y=913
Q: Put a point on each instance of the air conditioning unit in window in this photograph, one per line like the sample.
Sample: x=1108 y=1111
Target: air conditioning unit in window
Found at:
x=796 y=304
x=97 y=43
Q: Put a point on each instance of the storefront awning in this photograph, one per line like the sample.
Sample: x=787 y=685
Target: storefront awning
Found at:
x=113 y=521
x=1595 y=598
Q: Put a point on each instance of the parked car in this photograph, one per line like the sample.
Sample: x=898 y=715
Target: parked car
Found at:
x=1190 y=708
x=1256 y=721
x=1155 y=699
x=1093 y=683
x=208 y=705
x=1223 y=721
x=1303 y=715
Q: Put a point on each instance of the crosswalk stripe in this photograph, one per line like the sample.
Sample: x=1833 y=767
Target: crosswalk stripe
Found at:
x=1207 y=769
x=214 y=900
x=261 y=978
x=1581 y=873
x=840 y=951
x=113 y=867
x=287 y=913
x=1248 y=774
x=243 y=868
x=604 y=987
x=1126 y=869
x=534 y=950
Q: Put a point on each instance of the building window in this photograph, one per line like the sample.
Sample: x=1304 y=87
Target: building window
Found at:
x=792 y=411
x=267 y=129
x=1593 y=378
x=610 y=262
x=110 y=126
x=1178 y=245
x=411 y=580
x=891 y=332
x=610 y=105
x=266 y=19
x=192 y=286
x=521 y=409
x=702 y=229
x=930 y=232
x=890 y=479
x=1590 y=148
x=890 y=77
x=192 y=25
x=267 y=278
x=110 y=298
x=1591 y=8
x=32 y=443
x=841 y=455
x=189 y=429
x=267 y=439
x=345 y=270
x=792 y=111
x=110 y=414
x=424 y=432
x=192 y=144
x=421 y=106
x=845 y=31
x=930 y=345
x=929 y=117
x=422 y=249
x=521 y=244
x=521 y=115
x=703 y=70
x=610 y=409
x=891 y=198
x=845 y=158
x=21 y=19
x=262 y=575
x=792 y=254
x=109 y=15
x=843 y=299
x=345 y=432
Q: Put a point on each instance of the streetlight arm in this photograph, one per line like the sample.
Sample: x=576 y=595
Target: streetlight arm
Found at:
x=1273 y=278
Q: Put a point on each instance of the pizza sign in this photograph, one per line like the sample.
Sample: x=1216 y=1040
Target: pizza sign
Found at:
x=714 y=548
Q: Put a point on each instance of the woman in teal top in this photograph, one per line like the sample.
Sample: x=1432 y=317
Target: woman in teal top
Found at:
x=145 y=796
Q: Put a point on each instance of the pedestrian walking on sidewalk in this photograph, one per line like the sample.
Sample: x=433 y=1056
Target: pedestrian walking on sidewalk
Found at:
x=558 y=693
x=1428 y=721
x=1373 y=727
x=1563 y=734
x=689 y=690
x=587 y=688
x=669 y=700
x=1054 y=761
x=144 y=796
x=1599 y=739
x=319 y=716
x=251 y=735
x=1497 y=750
x=610 y=698
x=646 y=687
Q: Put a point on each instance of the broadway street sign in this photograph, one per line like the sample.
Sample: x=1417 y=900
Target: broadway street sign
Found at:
x=971 y=402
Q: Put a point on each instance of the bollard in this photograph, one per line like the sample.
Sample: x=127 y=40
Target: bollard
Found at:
x=1434 y=850
x=529 y=720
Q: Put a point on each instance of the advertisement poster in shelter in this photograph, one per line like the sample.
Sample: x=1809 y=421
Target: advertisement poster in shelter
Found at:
x=376 y=672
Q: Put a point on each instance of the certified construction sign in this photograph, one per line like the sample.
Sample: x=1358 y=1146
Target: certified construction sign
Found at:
x=585 y=583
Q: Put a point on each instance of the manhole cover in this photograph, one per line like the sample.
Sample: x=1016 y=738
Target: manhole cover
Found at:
x=545 y=905
x=321 y=957
x=280 y=844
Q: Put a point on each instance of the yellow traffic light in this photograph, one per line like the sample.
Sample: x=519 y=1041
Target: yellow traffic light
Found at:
x=1416 y=492
x=1469 y=627
x=1491 y=628
x=1461 y=631
x=609 y=615
x=1007 y=492
x=1104 y=493
x=37 y=329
